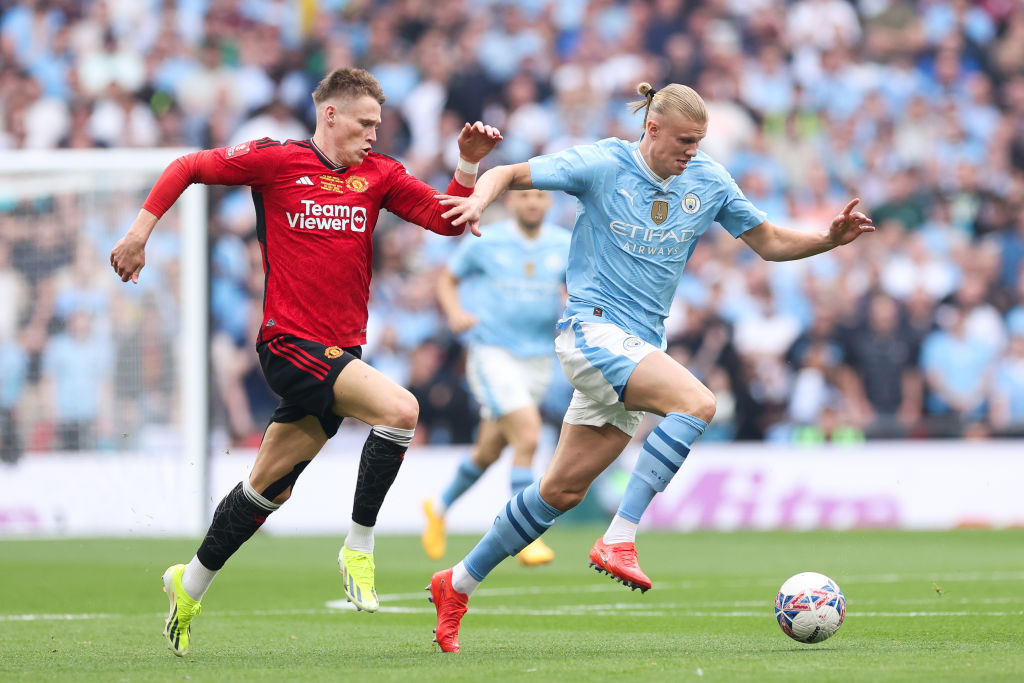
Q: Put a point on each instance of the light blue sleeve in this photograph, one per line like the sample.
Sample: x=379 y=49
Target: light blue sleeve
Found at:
x=737 y=214
x=572 y=170
x=463 y=261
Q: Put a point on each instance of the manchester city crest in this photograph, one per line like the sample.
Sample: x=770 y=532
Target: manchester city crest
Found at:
x=632 y=343
x=691 y=203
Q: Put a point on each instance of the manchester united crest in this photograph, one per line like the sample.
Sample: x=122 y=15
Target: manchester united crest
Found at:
x=333 y=351
x=356 y=183
x=659 y=212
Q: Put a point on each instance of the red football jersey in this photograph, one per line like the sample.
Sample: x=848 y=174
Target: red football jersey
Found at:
x=315 y=223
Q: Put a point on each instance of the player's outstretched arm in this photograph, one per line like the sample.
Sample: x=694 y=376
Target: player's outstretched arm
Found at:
x=129 y=254
x=490 y=186
x=775 y=243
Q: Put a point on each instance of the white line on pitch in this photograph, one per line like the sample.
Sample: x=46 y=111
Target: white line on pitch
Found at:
x=578 y=610
x=607 y=587
x=663 y=610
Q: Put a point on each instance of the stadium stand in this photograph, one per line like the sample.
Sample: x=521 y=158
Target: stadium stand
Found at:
x=916 y=106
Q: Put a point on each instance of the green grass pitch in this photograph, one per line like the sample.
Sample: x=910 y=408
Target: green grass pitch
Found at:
x=920 y=607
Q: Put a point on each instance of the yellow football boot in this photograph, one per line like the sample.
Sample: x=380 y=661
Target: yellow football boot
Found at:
x=178 y=625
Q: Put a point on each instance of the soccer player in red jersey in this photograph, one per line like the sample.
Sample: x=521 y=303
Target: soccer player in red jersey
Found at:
x=317 y=202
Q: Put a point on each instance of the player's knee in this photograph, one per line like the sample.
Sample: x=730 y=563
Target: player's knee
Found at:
x=700 y=403
x=403 y=412
x=705 y=405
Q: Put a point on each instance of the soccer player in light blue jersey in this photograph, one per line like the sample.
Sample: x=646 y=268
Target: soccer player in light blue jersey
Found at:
x=511 y=294
x=642 y=206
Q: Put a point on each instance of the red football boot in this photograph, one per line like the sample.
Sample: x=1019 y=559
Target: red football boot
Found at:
x=618 y=560
x=451 y=606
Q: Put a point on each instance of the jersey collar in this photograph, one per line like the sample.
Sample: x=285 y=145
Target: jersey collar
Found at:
x=326 y=160
x=638 y=159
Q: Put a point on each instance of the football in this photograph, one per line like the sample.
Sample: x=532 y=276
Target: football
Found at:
x=810 y=607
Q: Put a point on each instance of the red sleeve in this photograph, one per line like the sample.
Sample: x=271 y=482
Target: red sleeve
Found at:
x=243 y=164
x=413 y=200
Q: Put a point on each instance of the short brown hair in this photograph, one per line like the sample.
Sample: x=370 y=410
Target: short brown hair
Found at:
x=348 y=82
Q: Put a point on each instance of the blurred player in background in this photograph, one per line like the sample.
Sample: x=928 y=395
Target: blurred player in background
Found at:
x=642 y=207
x=514 y=287
x=317 y=202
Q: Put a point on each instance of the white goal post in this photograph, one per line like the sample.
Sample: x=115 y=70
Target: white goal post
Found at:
x=60 y=273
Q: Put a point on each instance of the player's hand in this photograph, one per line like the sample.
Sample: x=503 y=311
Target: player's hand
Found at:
x=849 y=225
x=129 y=254
x=460 y=321
x=128 y=257
x=464 y=210
x=477 y=140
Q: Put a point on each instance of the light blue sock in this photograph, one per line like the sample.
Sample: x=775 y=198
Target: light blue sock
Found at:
x=663 y=453
x=520 y=478
x=519 y=524
x=465 y=476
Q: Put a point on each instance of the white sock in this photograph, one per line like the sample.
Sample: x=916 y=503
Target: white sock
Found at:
x=621 y=530
x=462 y=581
x=360 y=538
x=196 y=579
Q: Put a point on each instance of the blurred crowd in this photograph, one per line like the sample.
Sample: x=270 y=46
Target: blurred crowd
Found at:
x=85 y=362
x=915 y=106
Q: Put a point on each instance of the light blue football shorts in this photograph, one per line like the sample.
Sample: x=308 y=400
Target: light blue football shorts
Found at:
x=597 y=359
x=502 y=382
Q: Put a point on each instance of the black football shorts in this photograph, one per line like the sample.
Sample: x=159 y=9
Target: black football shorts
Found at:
x=302 y=373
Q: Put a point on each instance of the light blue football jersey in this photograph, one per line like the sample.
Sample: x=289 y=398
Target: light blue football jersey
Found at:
x=634 y=232
x=513 y=285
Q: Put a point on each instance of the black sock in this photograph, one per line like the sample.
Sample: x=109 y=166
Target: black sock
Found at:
x=378 y=467
x=235 y=520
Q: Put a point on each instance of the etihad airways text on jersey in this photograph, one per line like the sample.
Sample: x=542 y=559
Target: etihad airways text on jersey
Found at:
x=648 y=234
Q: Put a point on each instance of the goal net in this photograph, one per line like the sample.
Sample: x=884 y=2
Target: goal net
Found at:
x=91 y=367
